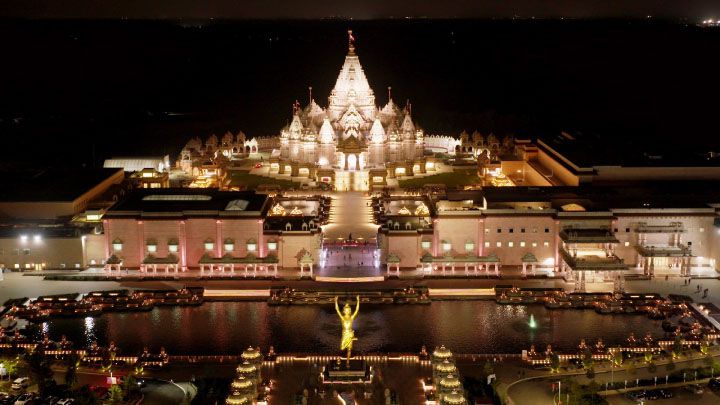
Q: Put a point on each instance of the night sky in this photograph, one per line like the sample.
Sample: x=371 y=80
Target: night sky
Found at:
x=359 y=9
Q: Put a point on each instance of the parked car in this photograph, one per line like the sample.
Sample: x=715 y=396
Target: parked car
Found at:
x=258 y=165
x=665 y=394
x=24 y=399
x=639 y=396
x=20 y=383
x=714 y=383
x=65 y=401
x=653 y=395
x=695 y=388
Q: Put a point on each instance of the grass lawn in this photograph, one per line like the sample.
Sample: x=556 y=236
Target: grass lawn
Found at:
x=452 y=180
x=240 y=178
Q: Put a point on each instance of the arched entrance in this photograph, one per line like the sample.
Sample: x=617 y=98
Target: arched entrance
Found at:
x=352 y=162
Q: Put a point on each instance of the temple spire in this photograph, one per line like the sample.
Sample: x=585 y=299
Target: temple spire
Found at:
x=310 y=99
x=351 y=43
x=389 y=94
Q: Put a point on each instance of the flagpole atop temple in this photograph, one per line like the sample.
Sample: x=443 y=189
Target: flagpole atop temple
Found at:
x=351 y=43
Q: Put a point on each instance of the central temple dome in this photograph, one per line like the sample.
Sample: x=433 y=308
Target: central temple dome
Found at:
x=352 y=133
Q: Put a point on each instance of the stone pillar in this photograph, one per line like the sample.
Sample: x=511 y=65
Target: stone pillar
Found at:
x=141 y=241
x=218 y=238
x=182 y=245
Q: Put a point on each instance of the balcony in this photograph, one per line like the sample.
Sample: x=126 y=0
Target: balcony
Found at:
x=663 y=250
x=674 y=227
x=598 y=260
x=588 y=235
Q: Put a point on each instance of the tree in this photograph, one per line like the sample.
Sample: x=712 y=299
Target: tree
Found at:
x=587 y=359
x=71 y=362
x=11 y=366
x=115 y=395
x=554 y=363
x=617 y=359
x=488 y=368
x=704 y=348
x=648 y=357
x=590 y=372
x=652 y=367
x=40 y=369
x=677 y=348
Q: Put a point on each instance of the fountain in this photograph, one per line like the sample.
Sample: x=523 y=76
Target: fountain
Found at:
x=532 y=323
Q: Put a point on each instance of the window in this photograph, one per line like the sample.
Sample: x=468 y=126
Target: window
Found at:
x=522 y=230
x=446 y=246
x=627 y=244
x=229 y=245
x=534 y=230
x=272 y=245
x=209 y=244
x=546 y=244
x=547 y=230
x=534 y=244
x=498 y=244
x=426 y=244
x=172 y=247
x=151 y=246
x=511 y=230
x=117 y=245
x=627 y=230
x=487 y=244
x=499 y=230
x=689 y=243
x=470 y=246
x=487 y=230
x=511 y=244
x=251 y=245
x=702 y=229
x=522 y=243
x=26 y=251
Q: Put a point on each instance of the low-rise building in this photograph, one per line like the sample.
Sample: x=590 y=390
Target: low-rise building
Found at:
x=210 y=229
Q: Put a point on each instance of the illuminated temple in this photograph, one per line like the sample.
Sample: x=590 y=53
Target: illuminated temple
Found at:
x=353 y=143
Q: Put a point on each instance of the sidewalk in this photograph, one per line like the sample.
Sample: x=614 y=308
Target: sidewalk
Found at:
x=536 y=385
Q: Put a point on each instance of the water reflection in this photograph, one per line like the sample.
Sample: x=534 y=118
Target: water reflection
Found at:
x=89 y=331
x=467 y=327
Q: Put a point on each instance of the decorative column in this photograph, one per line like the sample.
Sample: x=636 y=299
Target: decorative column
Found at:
x=557 y=244
x=218 y=238
x=436 y=238
x=261 y=238
x=182 y=241
x=141 y=239
x=108 y=241
x=480 y=237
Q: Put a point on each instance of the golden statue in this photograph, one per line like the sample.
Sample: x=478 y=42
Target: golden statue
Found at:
x=346 y=319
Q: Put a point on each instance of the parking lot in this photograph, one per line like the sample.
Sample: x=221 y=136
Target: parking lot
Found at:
x=680 y=396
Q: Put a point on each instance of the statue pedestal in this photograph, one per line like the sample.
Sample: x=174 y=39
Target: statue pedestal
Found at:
x=342 y=371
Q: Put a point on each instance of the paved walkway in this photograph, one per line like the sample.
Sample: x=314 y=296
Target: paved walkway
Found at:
x=350 y=215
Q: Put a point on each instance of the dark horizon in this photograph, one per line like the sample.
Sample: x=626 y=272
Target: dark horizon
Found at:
x=87 y=90
x=365 y=10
